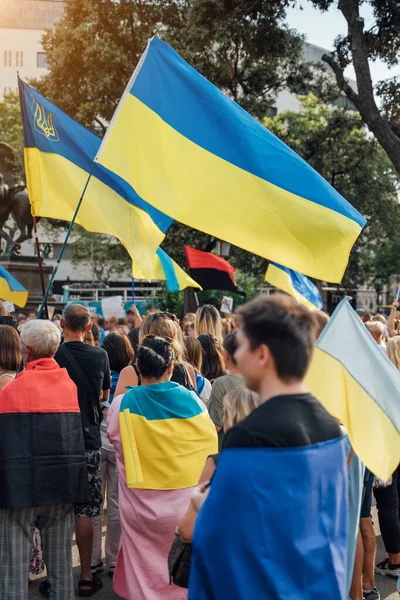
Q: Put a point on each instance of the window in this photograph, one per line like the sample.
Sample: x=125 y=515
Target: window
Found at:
x=19 y=59
x=7 y=58
x=41 y=60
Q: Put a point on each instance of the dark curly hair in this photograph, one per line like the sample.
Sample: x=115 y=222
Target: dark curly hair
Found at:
x=154 y=357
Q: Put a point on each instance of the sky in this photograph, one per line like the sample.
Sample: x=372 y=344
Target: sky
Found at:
x=322 y=28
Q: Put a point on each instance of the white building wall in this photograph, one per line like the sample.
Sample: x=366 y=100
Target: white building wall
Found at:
x=23 y=49
x=22 y=25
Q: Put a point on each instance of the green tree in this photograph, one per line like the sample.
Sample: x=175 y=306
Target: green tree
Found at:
x=335 y=143
x=105 y=256
x=175 y=302
x=359 y=48
x=93 y=50
x=180 y=235
x=245 y=48
x=241 y=45
x=11 y=134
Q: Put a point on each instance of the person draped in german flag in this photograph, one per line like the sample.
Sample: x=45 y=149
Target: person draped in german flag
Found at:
x=162 y=435
x=42 y=466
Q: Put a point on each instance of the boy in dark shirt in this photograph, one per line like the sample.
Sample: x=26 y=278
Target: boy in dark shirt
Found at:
x=275 y=344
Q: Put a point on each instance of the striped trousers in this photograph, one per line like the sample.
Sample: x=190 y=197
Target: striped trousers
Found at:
x=56 y=526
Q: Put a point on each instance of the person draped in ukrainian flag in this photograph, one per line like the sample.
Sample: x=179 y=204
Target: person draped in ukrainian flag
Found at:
x=273 y=524
x=162 y=435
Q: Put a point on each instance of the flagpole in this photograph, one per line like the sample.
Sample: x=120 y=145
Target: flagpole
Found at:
x=55 y=268
x=40 y=263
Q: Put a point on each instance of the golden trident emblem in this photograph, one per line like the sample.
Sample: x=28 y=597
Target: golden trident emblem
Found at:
x=43 y=122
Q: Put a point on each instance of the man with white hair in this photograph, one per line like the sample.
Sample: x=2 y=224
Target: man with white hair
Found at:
x=42 y=467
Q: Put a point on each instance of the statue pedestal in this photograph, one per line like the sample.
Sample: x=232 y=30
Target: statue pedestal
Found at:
x=26 y=270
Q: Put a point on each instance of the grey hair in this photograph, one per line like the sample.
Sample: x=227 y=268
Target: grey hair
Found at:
x=76 y=317
x=376 y=328
x=42 y=337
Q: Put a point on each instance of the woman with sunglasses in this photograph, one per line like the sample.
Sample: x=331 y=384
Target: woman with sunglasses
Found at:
x=162 y=435
x=165 y=325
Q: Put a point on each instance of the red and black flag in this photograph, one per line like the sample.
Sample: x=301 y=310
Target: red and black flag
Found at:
x=211 y=272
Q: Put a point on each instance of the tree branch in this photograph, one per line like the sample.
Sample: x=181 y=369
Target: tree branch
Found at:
x=343 y=85
x=102 y=126
x=364 y=100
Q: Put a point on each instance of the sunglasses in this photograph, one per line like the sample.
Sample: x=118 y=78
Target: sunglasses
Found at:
x=152 y=336
x=163 y=315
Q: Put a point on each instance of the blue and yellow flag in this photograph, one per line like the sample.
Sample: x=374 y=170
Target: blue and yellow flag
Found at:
x=59 y=155
x=358 y=384
x=295 y=284
x=166 y=269
x=247 y=530
x=166 y=435
x=193 y=153
x=12 y=290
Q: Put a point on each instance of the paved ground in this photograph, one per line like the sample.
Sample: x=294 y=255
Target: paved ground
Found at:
x=386 y=585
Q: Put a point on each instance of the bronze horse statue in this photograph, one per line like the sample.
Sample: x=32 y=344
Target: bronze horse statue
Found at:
x=14 y=201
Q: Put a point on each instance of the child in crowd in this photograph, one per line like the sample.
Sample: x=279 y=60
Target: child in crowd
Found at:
x=238 y=404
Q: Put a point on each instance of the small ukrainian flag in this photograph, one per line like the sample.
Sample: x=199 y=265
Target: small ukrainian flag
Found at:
x=295 y=284
x=166 y=269
x=12 y=290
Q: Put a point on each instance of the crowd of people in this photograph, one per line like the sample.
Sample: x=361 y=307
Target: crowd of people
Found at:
x=142 y=417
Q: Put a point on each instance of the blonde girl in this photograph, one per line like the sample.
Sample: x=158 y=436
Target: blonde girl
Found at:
x=208 y=322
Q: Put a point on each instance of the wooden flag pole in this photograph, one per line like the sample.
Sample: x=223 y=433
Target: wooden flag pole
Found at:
x=40 y=263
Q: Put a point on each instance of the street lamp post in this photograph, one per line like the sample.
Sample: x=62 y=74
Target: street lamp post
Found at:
x=378 y=289
x=223 y=249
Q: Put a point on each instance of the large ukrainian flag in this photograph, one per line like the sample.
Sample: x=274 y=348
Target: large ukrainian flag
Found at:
x=358 y=384
x=274 y=526
x=166 y=269
x=193 y=153
x=59 y=155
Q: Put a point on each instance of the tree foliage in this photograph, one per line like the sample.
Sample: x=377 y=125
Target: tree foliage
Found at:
x=335 y=143
x=245 y=48
x=94 y=49
x=11 y=134
x=241 y=45
x=359 y=48
x=105 y=256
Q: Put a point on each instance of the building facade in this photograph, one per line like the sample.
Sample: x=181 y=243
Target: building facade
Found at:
x=22 y=25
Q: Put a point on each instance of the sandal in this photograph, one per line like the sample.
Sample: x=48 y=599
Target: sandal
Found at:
x=93 y=585
x=385 y=567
